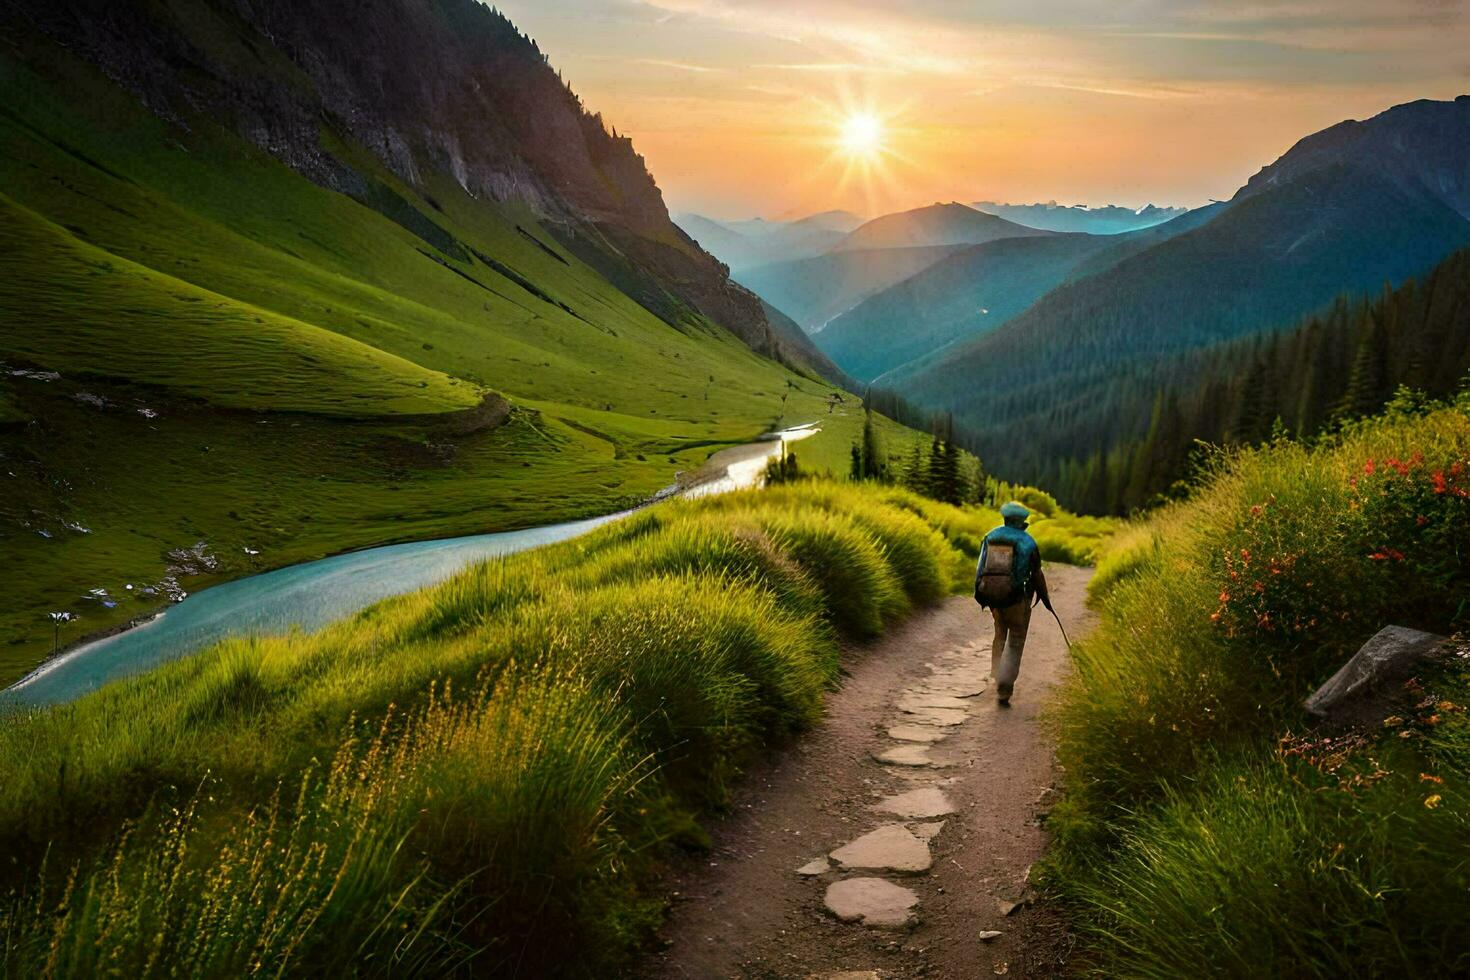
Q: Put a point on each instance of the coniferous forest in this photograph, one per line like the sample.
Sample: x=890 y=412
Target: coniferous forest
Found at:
x=1344 y=362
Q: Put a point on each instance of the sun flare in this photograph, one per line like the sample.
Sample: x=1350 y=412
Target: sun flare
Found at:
x=862 y=134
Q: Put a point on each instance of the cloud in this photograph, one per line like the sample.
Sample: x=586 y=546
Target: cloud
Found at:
x=677 y=65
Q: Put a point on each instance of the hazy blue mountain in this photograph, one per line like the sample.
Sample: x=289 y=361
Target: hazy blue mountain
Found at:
x=975 y=291
x=964 y=295
x=1109 y=220
x=742 y=244
x=840 y=221
x=814 y=290
x=937 y=224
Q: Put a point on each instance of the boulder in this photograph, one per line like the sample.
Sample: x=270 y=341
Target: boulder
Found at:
x=1363 y=691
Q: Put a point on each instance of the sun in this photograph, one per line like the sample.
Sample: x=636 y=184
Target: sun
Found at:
x=862 y=134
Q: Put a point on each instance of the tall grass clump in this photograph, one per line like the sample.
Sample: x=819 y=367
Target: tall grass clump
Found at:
x=1206 y=821
x=476 y=778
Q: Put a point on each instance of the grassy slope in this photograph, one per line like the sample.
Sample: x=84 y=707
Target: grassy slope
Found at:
x=604 y=692
x=1207 y=825
x=188 y=273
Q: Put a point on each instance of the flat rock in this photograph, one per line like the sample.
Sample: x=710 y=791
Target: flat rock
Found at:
x=871 y=901
x=928 y=831
x=917 y=804
x=917 y=733
x=986 y=935
x=957 y=687
x=1357 y=692
x=920 y=699
x=816 y=866
x=905 y=755
x=944 y=717
x=892 y=847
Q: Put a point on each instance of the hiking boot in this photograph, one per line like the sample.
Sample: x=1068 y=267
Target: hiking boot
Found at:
x=1003 y=695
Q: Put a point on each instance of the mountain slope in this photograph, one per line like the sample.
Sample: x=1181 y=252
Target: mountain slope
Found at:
x=1036 y=389
x=1345 y=361
x=963 y=295
x=937 y=224
x=975 y=291
x=814 y=290
x=260 y=298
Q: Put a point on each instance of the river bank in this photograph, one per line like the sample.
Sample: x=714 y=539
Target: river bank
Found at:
x=311 y=594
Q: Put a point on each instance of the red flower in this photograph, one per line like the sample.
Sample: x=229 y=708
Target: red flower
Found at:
x=1440 y=484
x=1368 y=466
x=1421 y=520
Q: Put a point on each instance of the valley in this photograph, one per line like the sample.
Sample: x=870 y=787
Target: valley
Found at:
x=441 y=540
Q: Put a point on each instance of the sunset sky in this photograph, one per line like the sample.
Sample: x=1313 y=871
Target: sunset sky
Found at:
x=740 y=105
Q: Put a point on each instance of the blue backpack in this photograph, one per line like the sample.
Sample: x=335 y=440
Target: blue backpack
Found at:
x=1003 y=574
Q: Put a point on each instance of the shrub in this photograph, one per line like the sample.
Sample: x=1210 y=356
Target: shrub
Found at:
x=1193 y=816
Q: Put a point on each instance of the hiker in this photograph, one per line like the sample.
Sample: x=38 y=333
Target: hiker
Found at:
x=1009 y=582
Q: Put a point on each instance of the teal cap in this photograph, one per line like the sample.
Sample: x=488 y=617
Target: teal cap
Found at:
x=1014 y=512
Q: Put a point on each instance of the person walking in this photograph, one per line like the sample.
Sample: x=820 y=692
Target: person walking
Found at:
x=1009 y=582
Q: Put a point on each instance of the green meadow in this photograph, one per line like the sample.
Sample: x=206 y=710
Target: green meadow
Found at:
x=1207 y=821
x=283 y=372
x=478 y=776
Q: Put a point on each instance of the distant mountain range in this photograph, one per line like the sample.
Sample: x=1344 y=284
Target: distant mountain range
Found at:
x=1343 y=212
x=1107 y=220
x=973 y=292
x=742 y=244
x=814 y=290
x=777 y=258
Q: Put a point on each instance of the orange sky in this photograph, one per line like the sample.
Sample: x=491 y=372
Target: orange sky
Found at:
x=738 y=104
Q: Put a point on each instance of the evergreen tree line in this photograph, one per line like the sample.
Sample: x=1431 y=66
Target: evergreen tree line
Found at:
x=1122 y=447
x=1345 y=362
x=942 y=470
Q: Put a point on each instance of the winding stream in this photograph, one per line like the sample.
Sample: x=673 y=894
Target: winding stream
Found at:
x=312 y=594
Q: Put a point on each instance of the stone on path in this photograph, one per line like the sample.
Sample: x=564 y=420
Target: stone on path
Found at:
x=916 y=733
x=917 y=804
x=816 y=866
x=928 y=831
x=847 y=975
x=871 y=901
x=905 y=755
x=892 y=847
x=943 y=717
x=956 y=687
x=920 y=699
x=986 y=935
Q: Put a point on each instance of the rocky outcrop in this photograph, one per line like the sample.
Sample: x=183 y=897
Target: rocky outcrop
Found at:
x=1365 y=689
x=430 y=88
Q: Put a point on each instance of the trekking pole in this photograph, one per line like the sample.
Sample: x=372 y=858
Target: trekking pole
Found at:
x=1054 y=615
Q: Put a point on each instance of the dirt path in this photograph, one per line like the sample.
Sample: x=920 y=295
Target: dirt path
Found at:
x=747 y=911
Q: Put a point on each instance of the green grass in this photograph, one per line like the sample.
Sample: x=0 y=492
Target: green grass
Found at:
x=302 y=353
x=1207 y=826
x=508 y=751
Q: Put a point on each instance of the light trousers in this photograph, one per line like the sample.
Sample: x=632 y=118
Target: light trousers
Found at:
x=1011 y=624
